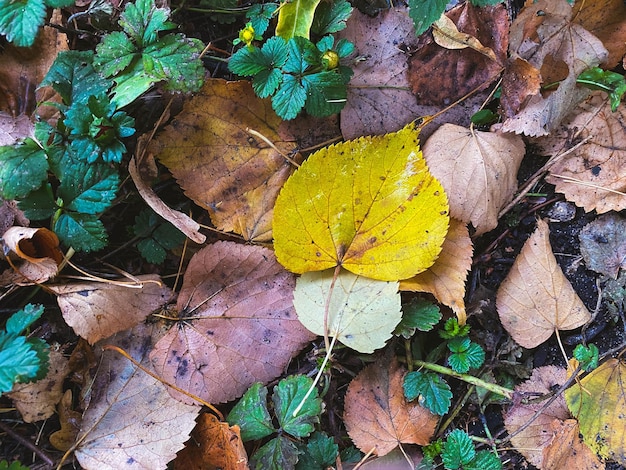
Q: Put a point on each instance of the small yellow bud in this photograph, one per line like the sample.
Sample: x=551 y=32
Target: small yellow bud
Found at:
x=330 y=60
x=246 y=35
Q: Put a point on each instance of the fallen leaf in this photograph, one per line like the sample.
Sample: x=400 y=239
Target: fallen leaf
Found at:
x=477 y=169
x=536 y=299
x=567 y=450
x=362 y=312
x=97 y=310
x=603 y=245
x=369 y=205
x=447 y=35
x=592 y=176
x=70 y=420
x=14 y=128
x=446 y=278
x=218 y=149
x=236 y=324
x=376 y=415
x=544 y=36
x=37 y=401
x=10 y=215
x=131 y=419
x=598 y=401
x=33 y=244
x=520 y=82
x=213 y=446
x=440 y=76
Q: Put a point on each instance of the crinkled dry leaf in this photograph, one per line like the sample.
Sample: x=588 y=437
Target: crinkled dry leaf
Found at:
x=225 y=151
x=362 y=312
x=446 y=278
x=545 y=37
x=536 y=299
x=447 y=35
x=376 y=414
x=567 y=450
x=131 y=419
x=25 y=273
x=37 y=401
x=33 y=244
x=598 y=401
x=594 y=175
x=236 y=324
x=10 y=215
x=213 y=446
x=14 y=128
x=70 y=420
x=97 y=310
x=603 y=244
x=477 y=169
x=520 y=82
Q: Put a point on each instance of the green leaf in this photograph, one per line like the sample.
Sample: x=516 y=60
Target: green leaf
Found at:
x=587 y=356
x=431 y=387
x=264 y=64
x=331 y=17
x=452 y=329
x=159 y=236
x=249 y=61
x=167 y=235
x=278 y=454
x=114 y=54
x=425 y=12
x=39 y=204
x=290 y=98
x=142 y=21
x=89 y=189
x=18 y=362
x=288 y=394
x=418 y=314
x=465 y=355
x=60 y=3
x=295 y=18
x=484 y=117
x=326 y=93
x=485 y=3
x=251 y=414
x=612 y=83
x=4 y=465
x=83 y=232
x=151 y=250
x=177 y=59
x=302 y=55
x=351 y=455
x=23 y=168
x=458 y=450
x=23 y=318
x=260 y=15
x=320 y=453
x=20 y=20
x=484 y=460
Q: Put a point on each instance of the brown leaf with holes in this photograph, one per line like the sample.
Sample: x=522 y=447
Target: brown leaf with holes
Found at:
x=214 y=445
x=236 y=324
x=376 y=414
x=97 y=310
x=224 y=150
x=446 y=278
x=536 y=299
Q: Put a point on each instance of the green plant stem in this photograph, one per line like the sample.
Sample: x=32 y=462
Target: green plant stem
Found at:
x=465 y=377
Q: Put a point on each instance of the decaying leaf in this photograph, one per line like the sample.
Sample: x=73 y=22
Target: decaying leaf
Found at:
x=376 y=414
x=447 y=35
x=369 y=205
x=446 y=278
x=567 y=450
x=603 y=244
x=536 y=299
x=477 y=169
x=236 y=324
x=225 y=151
x=362 y=312
x=14 y=128
x=70 y=420
x=598 y=401
x=131 y=418
x=97 y=310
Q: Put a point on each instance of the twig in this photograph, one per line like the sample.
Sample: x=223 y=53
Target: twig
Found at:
x=26 y=443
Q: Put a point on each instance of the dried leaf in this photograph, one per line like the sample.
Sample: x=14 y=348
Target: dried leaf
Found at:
x=14 y=128
x=376 y=414
x=536 y=299
x=567 y=450
x=97 y=310
x=477 y=169
x=33 y=244
x=446 y=278
x=447 y=35
x=70 y=420
x=603 y=244
x=218 y=149
x=236 y=325
x=520 y=82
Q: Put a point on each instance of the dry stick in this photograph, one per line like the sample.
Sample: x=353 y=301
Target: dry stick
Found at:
x=26 y=443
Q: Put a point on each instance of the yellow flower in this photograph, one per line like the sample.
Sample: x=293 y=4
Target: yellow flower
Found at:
x=246 y=35
x=330 y=60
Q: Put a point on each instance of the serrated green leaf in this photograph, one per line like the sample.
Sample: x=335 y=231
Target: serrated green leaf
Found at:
x=20 y=20
x=331 y=17
x=4 y=465
x=266 y=82
x=131 y=86
x=89 y=189
x=23 y=168
x=264 y=64
x=167 y=235
x=39 y=204
x=42 y=350
x=484 y=460
x=465 y=355
x=459 y=344
x=326 y=93
x=60 y=3
x=114 y=54
x=290 y=98
x=83 y=232
x=259 y=15
x=484 y=3
x=295 y=18
x=248 y=61
x=418 y=314
x=302 y=55
x=151 y=251
x=344 y=48
x=23 y=318
x=18 y=363
x=587 y=356
x=458 y=450
x=431 y=387
x=178 y=58
x=278 y=454
x=142 y=21
x=351 y=455
x=287 y=396
x=452 y=329
x=425 y=12
x=251 y=414
x=320 y=453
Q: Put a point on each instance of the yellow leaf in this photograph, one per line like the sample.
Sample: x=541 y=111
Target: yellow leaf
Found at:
x=599 y=404
x=369 y=205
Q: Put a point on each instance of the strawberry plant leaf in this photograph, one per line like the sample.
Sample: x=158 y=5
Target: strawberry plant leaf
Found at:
x=485 y=3
x=4 y=465
x=59 y=3
x=278 y=454
x=23 y=168
x=431 y=387
x=320 y=452
x=290 y=97
x=89 y=189
x=83 y=232
x=251 y=414
x=465 y=355
x=22 y=319
x=114 y=54
x=331 y=17
x=20 y=20
x=260 y=15
x=484 y=460
x=39 y=204
x=588 y=356
x=452 y=329
x=418 y=314
x=326 y=93
x=458 y=450
x=158 y=236
x=142 y=21
x=287 y=396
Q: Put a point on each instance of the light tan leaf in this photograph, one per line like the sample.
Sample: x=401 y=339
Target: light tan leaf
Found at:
x=33 y=244
x=376 y=414
x=446 y=278
x=25 y=273
x=567 y=450
x=14 y=128
x=131 y=420
x=447 y=35
x=97 y=310
x=477 y=169
x=236 y=324
x=536 y=299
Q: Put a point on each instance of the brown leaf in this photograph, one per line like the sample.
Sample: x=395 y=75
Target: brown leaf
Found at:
x=131 y=418
x=603 y=244
x=536 y=299
x=441 y=76
x=10 y=215
x=64 y=438
x=33 y=244
x=213 y=446
x=520 y=82
x=215 y=149
x=446 y=278
x=236 y=324
x=567 y=450
x=14 y=128
x=97 y=310
x=446 y=34
x=477 y=169
x=376 y=414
